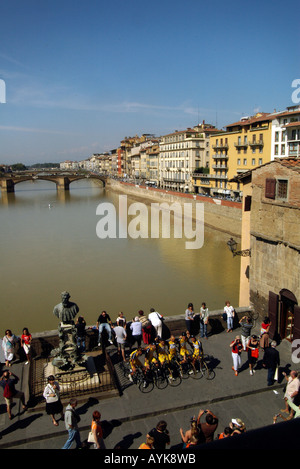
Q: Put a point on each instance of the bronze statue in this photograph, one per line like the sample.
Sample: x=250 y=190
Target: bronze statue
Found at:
x=66 y=310
x=67 y=355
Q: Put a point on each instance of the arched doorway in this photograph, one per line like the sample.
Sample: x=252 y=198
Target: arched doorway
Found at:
x=288 y=310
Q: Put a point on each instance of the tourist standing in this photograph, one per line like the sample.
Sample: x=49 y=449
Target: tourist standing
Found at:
x=230 y=313
x=121 y=320
x=8 y=381
x=81 y=333
x=246 y=327
x=264 y=333
x=146 y=327
x=156 y=320
x=53 y=402
x=97 y=431
x=136 y=332
x=189 y=318
x=9 y=342
x=253 y=352
x=204 y=315
x=292 y=390
x=71 y=422
x=236 y=348
x=160 y=435
x=271 y=360
x=26 y=339
x=207 y=428
x=121 y=336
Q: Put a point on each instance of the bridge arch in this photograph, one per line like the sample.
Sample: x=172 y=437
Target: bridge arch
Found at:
x=62 y=180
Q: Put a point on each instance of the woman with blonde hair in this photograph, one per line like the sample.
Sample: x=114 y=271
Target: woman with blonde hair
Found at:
x=190 y=434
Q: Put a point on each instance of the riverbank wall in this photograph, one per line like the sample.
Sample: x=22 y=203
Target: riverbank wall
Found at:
x=220 y=214
x=44 y=342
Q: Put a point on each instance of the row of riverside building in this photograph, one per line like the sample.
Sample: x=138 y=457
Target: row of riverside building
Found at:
x=202 y=159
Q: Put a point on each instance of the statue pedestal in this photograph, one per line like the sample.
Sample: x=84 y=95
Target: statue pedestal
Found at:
x=74 y=381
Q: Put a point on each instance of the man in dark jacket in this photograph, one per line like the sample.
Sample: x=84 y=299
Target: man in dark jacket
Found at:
x=271 y=361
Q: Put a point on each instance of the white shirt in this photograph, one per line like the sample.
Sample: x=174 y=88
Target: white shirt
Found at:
x=154 y=318
x=229 y=310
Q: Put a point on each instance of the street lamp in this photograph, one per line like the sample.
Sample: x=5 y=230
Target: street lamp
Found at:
x=232 y=245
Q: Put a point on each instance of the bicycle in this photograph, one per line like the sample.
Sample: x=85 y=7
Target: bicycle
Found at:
x=139 y=378
x=203 y=369
x=253 y=317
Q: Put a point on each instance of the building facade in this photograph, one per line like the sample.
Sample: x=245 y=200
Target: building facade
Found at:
x=274 y=265
x=181 y=154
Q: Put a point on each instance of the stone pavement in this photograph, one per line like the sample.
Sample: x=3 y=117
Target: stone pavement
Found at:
x=128 y=418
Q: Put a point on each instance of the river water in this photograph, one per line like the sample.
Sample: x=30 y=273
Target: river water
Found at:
x=49 y=244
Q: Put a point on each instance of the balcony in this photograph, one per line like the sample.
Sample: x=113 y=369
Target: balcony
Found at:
x=258 y=143
x=215 y=166
x=241 y=144
x=220 y=146
x=216 y=156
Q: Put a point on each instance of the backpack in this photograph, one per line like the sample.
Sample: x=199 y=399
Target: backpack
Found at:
x=7 y=391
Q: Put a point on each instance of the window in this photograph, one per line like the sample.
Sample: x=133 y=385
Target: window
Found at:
x=253 y=161
x=239 y=161
x=282 y=189
x=245 y=161
x=276 y=189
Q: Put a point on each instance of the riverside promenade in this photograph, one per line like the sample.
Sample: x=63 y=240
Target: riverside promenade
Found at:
x=127 y=418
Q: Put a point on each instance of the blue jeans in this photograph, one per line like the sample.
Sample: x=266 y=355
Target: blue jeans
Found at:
x=203 y=329
x=108 y=330
x=229 y=323
x=81 y=343
x=73 y=436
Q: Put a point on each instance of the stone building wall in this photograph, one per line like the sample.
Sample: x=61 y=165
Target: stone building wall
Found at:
x=275 y=237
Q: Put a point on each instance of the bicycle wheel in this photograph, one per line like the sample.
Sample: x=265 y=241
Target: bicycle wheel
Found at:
x=160 y=379
x=174 y=376
x=208 y=373
x=146 y=386
x=195 y=372
x=185 y=369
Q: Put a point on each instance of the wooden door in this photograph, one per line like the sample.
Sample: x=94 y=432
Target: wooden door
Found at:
x=273 y=314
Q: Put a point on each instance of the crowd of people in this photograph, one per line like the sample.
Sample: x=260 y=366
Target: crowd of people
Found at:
x=144 y=335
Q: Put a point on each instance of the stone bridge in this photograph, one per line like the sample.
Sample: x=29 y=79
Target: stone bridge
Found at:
x=62 y=179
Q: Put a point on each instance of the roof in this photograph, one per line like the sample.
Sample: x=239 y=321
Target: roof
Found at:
x=262 y=116
x=287 y=162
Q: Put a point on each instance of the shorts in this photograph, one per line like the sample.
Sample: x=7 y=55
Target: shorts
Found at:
x=9 y=400
x=121 y=346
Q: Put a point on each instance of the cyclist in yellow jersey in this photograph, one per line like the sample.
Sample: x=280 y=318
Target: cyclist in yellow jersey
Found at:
x=197 y=349
x=172 y=347
x=183 y=351
x=134 y=361
x=162 y=354
x=149 y=355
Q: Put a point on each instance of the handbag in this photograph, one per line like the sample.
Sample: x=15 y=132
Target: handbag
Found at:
x=255 y=353
x=91 y=438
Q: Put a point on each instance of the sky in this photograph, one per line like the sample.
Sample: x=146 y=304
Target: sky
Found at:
x=77 y=76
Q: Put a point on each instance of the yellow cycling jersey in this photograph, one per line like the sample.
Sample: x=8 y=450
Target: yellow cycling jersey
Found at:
x=162 y=353
x=183 y=347
x=197 y=348
x=134 y=359
x=149 y=356
x=172 y=349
